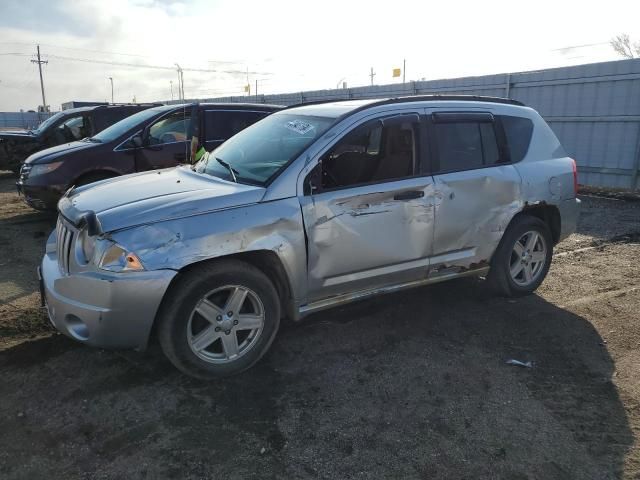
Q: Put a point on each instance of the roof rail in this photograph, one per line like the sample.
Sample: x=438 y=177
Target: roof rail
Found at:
x=416 y=98
x=149 y=104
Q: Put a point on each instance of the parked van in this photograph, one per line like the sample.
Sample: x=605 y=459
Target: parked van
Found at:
x=63 y=127
x=158 y=137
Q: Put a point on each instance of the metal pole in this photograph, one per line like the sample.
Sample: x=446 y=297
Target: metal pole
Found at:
x=40 y=62
x=508 y=86
x=182 y=82
x=256 y=89
x=179 y=82
x=171 y=83
x=404 y=69
x=111 y=79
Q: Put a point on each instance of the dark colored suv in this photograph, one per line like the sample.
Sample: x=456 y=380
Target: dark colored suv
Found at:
x=63 y=127
x=159 y=137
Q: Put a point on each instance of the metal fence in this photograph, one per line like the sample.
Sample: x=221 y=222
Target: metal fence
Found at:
x=26 y=120
x=594 y=109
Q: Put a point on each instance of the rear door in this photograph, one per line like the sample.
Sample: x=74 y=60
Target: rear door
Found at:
x=477 y=190
x=221 y=124
x=169 y=139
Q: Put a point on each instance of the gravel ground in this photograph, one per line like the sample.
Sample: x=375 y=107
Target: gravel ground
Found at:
x=409 y=385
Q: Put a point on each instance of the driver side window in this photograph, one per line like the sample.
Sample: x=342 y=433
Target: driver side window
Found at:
x=170 y=129
x=374 y=152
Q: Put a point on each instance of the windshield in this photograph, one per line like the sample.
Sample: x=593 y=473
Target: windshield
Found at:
x=41 y=128
x=118 y=129
x=261 y=150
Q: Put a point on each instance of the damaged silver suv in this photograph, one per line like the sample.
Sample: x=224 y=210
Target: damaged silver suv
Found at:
x=311 y=207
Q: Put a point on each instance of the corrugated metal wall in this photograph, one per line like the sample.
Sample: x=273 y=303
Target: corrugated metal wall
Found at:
x=26 y=120
x=594 y=109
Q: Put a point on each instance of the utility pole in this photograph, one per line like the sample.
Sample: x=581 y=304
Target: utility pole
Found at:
x=256 y=89
x=372 y=74
x=404 y=69
x=171 y=84
x=182 y=82
x=180 y=77
x=40 y=62
x=111 y=79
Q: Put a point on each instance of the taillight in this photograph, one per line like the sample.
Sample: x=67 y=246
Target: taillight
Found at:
x=575 y=177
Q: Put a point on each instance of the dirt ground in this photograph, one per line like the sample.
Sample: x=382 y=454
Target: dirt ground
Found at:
x=410 y=385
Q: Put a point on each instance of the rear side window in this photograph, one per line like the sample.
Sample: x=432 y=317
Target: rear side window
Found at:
x=106 y=117
x=221 y=125
x=518 y=131
x=466 y=145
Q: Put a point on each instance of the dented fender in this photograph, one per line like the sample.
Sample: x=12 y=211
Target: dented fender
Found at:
x=271 y=226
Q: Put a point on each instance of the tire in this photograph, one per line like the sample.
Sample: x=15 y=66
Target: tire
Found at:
x=509 y=258
x=92 y=177
x=194 y=328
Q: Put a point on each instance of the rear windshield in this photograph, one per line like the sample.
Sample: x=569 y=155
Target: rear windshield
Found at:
x=118 y=129
x=257 y=153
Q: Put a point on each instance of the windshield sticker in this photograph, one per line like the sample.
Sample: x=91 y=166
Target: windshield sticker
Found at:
x=299 y=126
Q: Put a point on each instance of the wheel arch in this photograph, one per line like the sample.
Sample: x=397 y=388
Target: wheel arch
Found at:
x=548 y=213
x=106 y=171
x=267 y=261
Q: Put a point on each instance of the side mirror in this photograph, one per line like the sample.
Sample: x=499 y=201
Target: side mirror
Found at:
x=137 y=141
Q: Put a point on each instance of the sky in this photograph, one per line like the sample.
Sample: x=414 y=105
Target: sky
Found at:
x=286 y=45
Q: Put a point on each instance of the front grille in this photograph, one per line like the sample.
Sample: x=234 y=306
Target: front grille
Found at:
x=24 y=171
x=64 y=242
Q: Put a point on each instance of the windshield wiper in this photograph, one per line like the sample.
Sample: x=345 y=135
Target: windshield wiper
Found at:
x=232 y=170
x=93 y=140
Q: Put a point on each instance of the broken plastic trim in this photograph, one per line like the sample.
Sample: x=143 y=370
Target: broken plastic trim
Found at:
x=80 y=218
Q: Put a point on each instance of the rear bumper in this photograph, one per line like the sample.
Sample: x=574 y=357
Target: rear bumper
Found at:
x=569 y=214
x=103 y=309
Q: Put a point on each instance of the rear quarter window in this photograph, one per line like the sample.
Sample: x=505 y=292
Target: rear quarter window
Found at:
x=518 y=131
x=103 y=118
x=221 y=125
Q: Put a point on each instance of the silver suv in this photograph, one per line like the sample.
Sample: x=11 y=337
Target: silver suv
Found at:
x=311 y=207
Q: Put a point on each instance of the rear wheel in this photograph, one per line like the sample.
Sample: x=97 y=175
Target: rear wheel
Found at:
x=219 y=319
x=523 y=258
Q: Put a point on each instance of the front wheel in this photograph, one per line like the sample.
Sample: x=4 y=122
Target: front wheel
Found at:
x=219 y=319
x=523 y=257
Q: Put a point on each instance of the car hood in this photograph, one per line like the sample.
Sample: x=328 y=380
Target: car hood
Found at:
x=50 y=154
x=150 y=197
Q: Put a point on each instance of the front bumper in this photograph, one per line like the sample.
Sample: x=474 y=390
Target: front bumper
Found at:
x=40 y=197
x=103 y=310
x=569 y=214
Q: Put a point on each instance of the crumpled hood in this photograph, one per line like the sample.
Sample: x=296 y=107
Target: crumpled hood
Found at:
x=154 y=196
x=50 y=154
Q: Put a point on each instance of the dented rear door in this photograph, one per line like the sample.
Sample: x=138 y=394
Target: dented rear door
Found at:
x=477 y=190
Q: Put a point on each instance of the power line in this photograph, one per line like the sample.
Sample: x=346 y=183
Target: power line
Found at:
x=155 y=67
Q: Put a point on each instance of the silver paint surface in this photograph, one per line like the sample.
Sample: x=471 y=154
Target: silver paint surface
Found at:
x=334 y=246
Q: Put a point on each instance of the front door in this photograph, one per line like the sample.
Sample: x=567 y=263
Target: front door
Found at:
x=168 y=142
x=477 y=189
x=368 y=213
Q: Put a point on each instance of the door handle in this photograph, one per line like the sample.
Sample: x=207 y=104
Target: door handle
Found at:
x=409 y=195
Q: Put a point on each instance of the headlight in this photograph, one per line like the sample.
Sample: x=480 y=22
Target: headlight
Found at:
x=88 y=245
x=41 y=169
x=117 y=259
